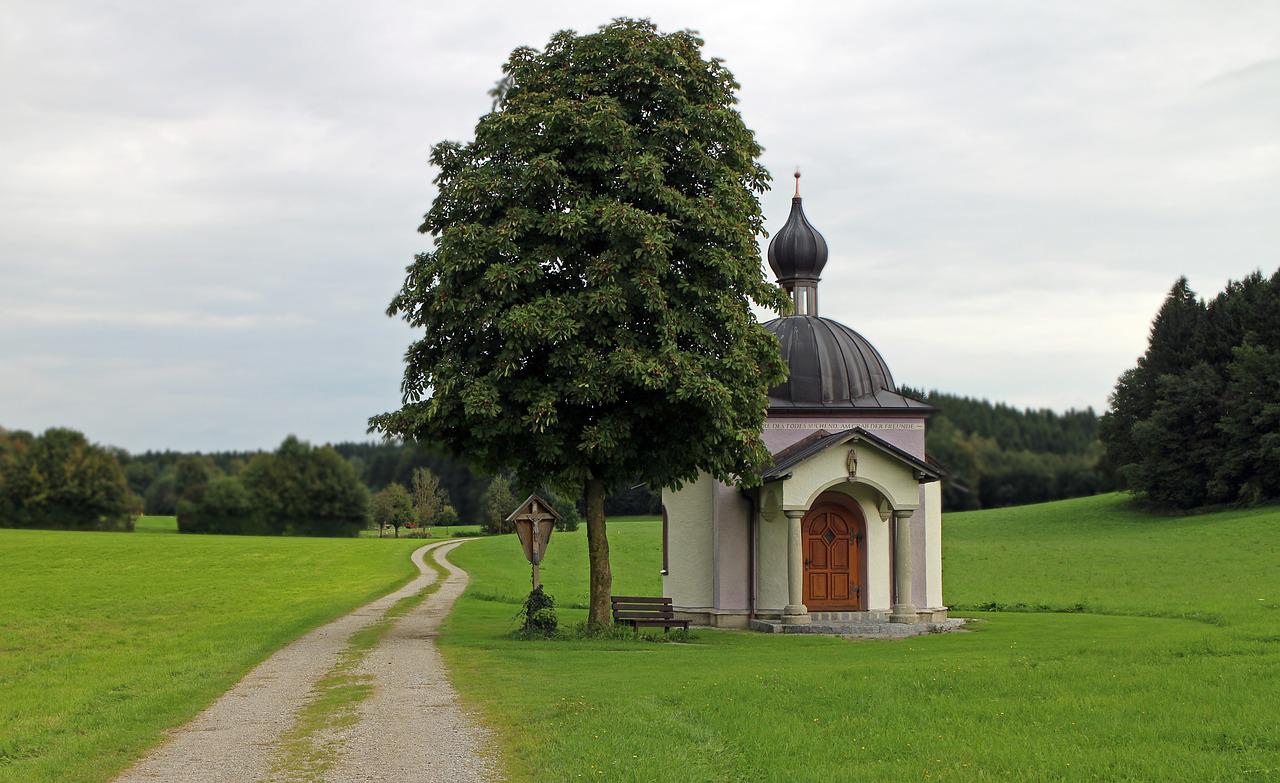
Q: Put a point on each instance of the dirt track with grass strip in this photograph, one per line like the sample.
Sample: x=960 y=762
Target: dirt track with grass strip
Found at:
x=362 y=698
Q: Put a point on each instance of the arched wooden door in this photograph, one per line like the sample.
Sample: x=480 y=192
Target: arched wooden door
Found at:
x=833 y=539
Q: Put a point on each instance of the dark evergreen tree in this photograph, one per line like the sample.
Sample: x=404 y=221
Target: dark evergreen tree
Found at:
x=1249 y=470
x=1179 y=443
x=1196 y=421
x=1175 y=343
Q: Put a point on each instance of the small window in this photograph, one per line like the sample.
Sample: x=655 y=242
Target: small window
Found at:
x=664 y=541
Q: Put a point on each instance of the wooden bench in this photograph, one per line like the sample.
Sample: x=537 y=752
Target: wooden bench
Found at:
x=646 y=612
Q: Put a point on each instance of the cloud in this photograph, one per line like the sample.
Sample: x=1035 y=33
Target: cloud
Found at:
x=204 y=209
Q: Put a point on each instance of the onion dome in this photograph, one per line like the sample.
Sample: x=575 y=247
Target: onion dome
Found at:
x=797 y=254
x=830 y=365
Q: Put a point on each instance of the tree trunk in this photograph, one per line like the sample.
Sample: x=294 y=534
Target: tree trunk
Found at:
x=598 y=552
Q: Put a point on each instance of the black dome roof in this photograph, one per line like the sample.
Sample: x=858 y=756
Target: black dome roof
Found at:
x=797 y=251
x=831 y=366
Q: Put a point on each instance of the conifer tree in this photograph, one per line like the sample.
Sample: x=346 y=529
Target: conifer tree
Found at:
x=1250 y=466
x=1179 y=442
x=1197 y=421
x=1174 y=345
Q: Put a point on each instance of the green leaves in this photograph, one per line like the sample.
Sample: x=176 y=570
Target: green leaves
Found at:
x=589 y=293
x=60 y=480
x=1193 y=423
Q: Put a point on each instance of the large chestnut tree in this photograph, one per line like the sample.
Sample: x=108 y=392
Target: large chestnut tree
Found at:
x=585 y=313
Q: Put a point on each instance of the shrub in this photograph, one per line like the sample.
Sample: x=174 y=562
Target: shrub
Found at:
x=227 y=507
x=59 y=480
x=538 y=616
x=297 y=490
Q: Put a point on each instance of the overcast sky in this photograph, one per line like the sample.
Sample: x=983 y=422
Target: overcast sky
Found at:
x=205 y=207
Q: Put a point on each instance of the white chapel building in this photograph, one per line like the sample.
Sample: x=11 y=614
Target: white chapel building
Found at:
x=847 y=523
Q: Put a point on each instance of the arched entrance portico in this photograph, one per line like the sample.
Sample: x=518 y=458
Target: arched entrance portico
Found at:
x=835 y=561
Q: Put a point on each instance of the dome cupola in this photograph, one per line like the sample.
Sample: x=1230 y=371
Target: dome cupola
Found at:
x=797 y=254
x=830 y=366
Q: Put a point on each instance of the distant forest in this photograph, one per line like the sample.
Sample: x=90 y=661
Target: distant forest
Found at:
x=998 y=455
x=154 y=476
x=995 y=455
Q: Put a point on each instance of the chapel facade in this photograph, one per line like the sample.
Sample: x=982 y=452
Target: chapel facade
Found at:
x=847 y=522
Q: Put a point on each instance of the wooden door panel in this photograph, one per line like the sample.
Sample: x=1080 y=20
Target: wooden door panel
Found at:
x=818 y=553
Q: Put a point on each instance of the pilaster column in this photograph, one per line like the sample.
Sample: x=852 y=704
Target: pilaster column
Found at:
x=903 y=609
x=795 y=613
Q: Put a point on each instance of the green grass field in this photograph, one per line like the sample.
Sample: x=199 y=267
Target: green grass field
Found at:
x=155 y=524
x=107 y=639
x=1166 y=667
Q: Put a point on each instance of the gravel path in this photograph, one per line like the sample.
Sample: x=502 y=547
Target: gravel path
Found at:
x=234 y=739
x=412 y=729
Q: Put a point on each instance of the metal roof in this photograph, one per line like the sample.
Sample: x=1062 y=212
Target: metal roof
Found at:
x=832 y=366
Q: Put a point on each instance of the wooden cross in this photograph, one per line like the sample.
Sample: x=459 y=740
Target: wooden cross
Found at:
x=536 y=517
x=533 y=520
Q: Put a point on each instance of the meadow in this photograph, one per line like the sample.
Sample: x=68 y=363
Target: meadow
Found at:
x=108 y=639
x=1109 y=644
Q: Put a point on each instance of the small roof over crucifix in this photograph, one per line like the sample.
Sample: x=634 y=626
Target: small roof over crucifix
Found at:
x=534 y=506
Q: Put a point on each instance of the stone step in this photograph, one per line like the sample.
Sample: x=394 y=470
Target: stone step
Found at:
x=850 y=617
x=863 y=630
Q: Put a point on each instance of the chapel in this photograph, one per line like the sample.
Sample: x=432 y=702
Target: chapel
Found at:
x=846 y=524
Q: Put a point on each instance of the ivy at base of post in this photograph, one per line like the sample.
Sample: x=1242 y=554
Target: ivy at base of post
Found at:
x=538 y=616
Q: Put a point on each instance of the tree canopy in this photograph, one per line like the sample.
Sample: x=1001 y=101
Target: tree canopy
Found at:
x=1195 y=422
x=391 y=505
x=585 y=311
x=60 y=480
x=298 y=489
x=999 y=455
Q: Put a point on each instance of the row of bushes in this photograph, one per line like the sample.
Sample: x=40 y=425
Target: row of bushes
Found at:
x=62 y=481
x=59 y=480
x=296 y=490
x=154 y=476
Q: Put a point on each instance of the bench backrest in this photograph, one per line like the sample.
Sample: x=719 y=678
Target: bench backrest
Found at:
x=634 y=607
